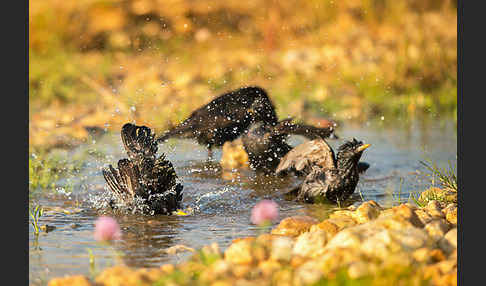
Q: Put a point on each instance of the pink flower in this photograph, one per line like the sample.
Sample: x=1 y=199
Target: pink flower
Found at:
x=264 y=212
x=106 y=228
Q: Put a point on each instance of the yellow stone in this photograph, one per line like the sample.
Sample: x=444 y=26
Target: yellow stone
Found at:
x=295 y=225
x=75 y=280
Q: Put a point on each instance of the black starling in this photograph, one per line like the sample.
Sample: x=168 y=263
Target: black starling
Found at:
x=334 y=178
x=225 y=118
x=266 y=144
x=143 y=181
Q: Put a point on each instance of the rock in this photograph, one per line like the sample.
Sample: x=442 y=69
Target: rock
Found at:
x=358 y=269
x=385 y=242
x=449 y=207
x=422 y=255
x=268 y=267
x=119 y=275
x=308 y=273
x=448 y=279
x=375 y=239
x=249 y=238
x=427 y=255
x=408 y=213
x=295 y=225
x=310 y=244
x=451 y=237
x=75 y=280
x=437 y=228
x=220 y=268
x=437 y=255
x=267 y=239
x=330 y=228
x=282 y=249
x=239 y=252
x=298 y=260
x=434 y=209
x=412 y=206
x=449 y=242
x=423 y=216
x=282 y=277
x=434 y=193
x=167 y=268
x=222 y=283
x=212 y=249
x=398 y=218
x=451 y=216
x=447 y=266
x=343 y=222
x=241 y=271
x=151 y=274
x=334 y=259
x=178 y=248
x=234 y=155
x=346 y=214
x=367 y=211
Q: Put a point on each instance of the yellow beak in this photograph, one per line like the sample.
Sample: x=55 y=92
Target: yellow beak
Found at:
x=180 y=213
x=362 y=147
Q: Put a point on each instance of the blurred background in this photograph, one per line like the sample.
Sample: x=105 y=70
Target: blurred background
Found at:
x=101 y=63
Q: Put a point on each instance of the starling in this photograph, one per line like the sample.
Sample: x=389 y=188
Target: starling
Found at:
x=327 y=175
x=266 y=144
x=225 y=118
x=143 y=181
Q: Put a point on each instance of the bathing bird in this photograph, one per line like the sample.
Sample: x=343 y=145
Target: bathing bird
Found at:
x=327 y=176
x=266 y=144
x=144 y=181
x=225 y=118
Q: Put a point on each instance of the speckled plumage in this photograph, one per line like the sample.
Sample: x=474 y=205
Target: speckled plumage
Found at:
x=225 y=118
x=143 y=181
x=266 y=144
x=329 y=176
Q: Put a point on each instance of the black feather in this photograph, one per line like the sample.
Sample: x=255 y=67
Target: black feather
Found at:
x=226 y=117
x=143 y=182
x=266 y=144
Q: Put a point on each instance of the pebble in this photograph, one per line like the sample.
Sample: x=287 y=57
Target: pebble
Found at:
x=451 y=216
x=308 y=273
x=239 y=252
x=75 y=280
x=367 y=211
x=295 y=225
x=437 y=228
x=301 y=250
x=434 y=209
x=178 y=248
x=310 y=244
x=282 y=249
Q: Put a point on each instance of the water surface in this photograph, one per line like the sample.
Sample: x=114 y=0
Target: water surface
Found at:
x=221 y=207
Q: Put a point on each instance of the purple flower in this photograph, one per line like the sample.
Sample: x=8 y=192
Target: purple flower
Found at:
x=264 y=212
x=106 y=228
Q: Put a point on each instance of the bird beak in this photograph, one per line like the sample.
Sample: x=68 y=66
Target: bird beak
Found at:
x=362 y=147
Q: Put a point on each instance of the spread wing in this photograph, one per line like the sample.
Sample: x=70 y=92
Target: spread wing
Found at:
x=306 y=155
x=310 y=132
x=124 y=181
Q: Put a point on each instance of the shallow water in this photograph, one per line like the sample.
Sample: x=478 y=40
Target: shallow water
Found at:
x=221 y=207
